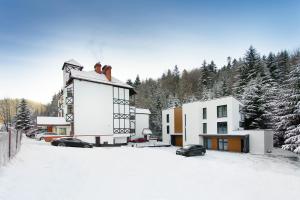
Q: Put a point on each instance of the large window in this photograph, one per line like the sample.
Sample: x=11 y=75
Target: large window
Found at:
x=168 y=118
x=207 y=143
x=204 y=128
x=222 y=111
x=222 y=127
x=204 y=113
x=223 y=144
x=168 y=129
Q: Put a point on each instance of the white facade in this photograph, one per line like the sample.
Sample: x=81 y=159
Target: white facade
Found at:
x=261 y=141
x=167 y=125
x=92 y=106
x=142 y=122
x=193 y=121
x=98 y=105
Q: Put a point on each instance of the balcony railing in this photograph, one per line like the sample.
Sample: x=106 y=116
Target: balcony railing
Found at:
x=69 y=117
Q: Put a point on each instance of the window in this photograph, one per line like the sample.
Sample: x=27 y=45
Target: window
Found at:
x=168 y=129
x=222 y=127
x=204 y=113
x=168 y=118
x=204 y=128
x=223 y=144
x=222 y=111
x=207 y=143
x=70 y=109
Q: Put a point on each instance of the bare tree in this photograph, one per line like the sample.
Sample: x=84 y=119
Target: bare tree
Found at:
x=5 y=112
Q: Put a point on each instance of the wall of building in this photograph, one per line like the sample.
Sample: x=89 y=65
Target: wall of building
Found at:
x=93 y=108
x=141 y=122
x=260 y=141
x=194 y=118
x=178 y=120
x=191 y=123
x=165 y=136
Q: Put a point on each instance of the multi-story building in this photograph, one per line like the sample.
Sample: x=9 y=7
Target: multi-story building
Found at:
x=217 y=124
x=97 y=105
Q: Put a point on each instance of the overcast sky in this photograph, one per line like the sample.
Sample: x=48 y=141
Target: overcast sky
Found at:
x=134 y=37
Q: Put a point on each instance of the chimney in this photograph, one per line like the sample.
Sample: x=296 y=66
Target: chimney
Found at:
x=107 y=71
x=97 y=67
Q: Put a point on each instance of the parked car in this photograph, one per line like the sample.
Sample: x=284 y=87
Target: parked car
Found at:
x=42 y=136
x=71 y=142
x=191 y=150
x=32 y=133
x=138 y=140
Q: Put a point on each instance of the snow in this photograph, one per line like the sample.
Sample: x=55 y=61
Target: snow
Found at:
x=41 y=171
x=98 y=78
x=142 y=111
x=73 y=62
x=51 y=121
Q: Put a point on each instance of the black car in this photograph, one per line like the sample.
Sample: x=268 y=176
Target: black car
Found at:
x=191 y=150
x=71 y=142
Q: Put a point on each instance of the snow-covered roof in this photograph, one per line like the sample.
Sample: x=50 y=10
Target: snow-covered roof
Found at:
x=73 y=62
x=142 y=111
x=51 y=121
x=98 y=78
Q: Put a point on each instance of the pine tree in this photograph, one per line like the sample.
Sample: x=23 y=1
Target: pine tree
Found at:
x=129 y=82
x=252 y=64
x=137 y=81
x=292 y=105
x=283 y=65
x=252 y=105
x=23 y=117
x=273 y=67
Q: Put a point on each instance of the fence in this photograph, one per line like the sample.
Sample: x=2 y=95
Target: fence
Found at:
x=10 y=143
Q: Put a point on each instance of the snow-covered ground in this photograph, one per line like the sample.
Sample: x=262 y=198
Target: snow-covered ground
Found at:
x=44 y=172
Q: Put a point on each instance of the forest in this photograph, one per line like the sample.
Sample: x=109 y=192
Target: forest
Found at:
x=267 y=85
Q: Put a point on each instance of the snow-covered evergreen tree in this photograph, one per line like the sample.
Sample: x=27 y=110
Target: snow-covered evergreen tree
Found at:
x=291 y=119
x=252 y=109
x=23 y=117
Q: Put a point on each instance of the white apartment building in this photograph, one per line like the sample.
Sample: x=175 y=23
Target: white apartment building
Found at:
x=218 y=124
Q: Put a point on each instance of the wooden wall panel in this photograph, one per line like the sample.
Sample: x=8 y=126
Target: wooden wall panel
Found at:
x=234 y=144
x=178 y=140
x=178 y=120
x=214 y=143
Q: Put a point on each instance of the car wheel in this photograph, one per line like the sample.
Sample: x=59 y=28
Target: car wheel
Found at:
x=41 y=138
x=86 y=146
x=61 y=145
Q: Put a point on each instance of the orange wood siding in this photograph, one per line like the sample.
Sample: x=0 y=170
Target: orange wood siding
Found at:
x=214 y=143
x=178 y=140
x=234 y=144
x=178 y=120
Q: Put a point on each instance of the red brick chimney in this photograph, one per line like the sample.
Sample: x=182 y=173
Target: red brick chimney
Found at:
x=97 y=67
x=107 y=71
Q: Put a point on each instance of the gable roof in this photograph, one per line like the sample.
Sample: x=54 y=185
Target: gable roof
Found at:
x=93 y=76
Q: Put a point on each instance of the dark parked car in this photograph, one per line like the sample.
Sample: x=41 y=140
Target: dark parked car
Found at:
x=191 y=150
x=71 y=142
